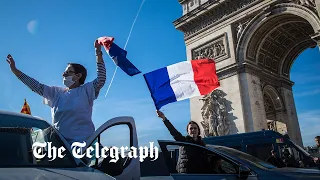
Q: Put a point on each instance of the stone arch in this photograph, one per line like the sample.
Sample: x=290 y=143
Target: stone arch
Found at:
x=275 y=109
x=260 y=41
x=268 y=28
x=274 y=96
x=269 y=44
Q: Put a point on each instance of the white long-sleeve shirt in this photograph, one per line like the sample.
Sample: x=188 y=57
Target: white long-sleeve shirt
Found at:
x=71 y=109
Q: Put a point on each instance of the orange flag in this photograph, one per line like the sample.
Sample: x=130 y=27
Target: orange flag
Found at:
x=25 y=108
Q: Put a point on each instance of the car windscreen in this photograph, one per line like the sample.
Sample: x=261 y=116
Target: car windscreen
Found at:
x=244 y=156
x=300 y=148
x=18 y=134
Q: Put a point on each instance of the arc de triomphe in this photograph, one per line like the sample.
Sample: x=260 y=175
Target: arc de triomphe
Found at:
x=254 y=43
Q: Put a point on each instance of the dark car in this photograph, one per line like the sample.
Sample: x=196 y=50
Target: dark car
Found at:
x=261 y=143
x=234 y=164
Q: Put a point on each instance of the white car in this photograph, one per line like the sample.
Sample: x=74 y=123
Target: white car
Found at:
x=18 y=132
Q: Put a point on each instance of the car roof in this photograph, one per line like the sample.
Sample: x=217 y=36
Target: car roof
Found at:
x=11 y=113
x=256 y=134
x=39 y=119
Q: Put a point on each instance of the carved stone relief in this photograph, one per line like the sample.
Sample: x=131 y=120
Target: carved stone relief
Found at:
x=190 y=5
x=216 y=49
x=308 y=3
x=215 y=14
x=218 y=12
x=272 y=126
x=214 y=114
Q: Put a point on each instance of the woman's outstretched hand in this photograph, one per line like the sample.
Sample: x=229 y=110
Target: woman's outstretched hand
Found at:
x=11 y=63
x=161 y=115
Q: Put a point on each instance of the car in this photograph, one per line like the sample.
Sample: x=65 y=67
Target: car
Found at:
x=234 y=163
x=53 y=158
x=260 y=144
x=18 y=132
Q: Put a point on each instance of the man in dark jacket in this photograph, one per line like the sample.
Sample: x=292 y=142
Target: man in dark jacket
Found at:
x=317 y=159
x=192 y=160
x=288 y=159
x=274 y=160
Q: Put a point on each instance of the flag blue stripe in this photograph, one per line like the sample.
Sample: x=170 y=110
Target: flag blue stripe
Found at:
x=115 y=50
x=119 y=56
x=159 y=86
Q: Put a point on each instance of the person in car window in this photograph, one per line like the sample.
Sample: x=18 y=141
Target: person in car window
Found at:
x=274 y=160
x=192 y=160
x=317 y=158
x=288 y=159
x=317 y=140
x=71 y=106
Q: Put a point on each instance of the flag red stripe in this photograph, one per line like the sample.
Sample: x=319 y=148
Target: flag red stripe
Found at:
x=205 y=75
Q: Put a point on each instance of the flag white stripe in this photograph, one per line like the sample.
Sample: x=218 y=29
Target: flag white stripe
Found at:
x=182 y=80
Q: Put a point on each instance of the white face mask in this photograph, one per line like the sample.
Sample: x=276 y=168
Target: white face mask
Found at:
x=67 y=81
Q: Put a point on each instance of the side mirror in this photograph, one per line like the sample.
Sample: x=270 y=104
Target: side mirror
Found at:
x=244 y=172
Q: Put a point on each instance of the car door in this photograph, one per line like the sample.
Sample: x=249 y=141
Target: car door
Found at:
x=229 y=170
x=122 y=128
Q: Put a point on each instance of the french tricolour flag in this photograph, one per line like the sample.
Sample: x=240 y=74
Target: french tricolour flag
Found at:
x=118 y=55
x=182 y=81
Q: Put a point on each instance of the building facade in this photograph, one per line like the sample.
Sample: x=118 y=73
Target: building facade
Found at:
x=254 y=44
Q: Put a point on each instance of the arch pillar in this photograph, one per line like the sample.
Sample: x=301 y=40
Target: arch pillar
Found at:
x=252 y=101
x=291 y=117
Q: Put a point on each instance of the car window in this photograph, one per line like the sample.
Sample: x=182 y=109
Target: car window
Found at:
x=228 y=167
x=261 y=151
x=18 y=134
x=290 y=156
x=300 y=148
x=244 y=156
x=197 y=160
x=116 y=138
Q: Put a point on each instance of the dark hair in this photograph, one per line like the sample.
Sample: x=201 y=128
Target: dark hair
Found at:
x=78 y=68
x=317 y=137
x=193 y=122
